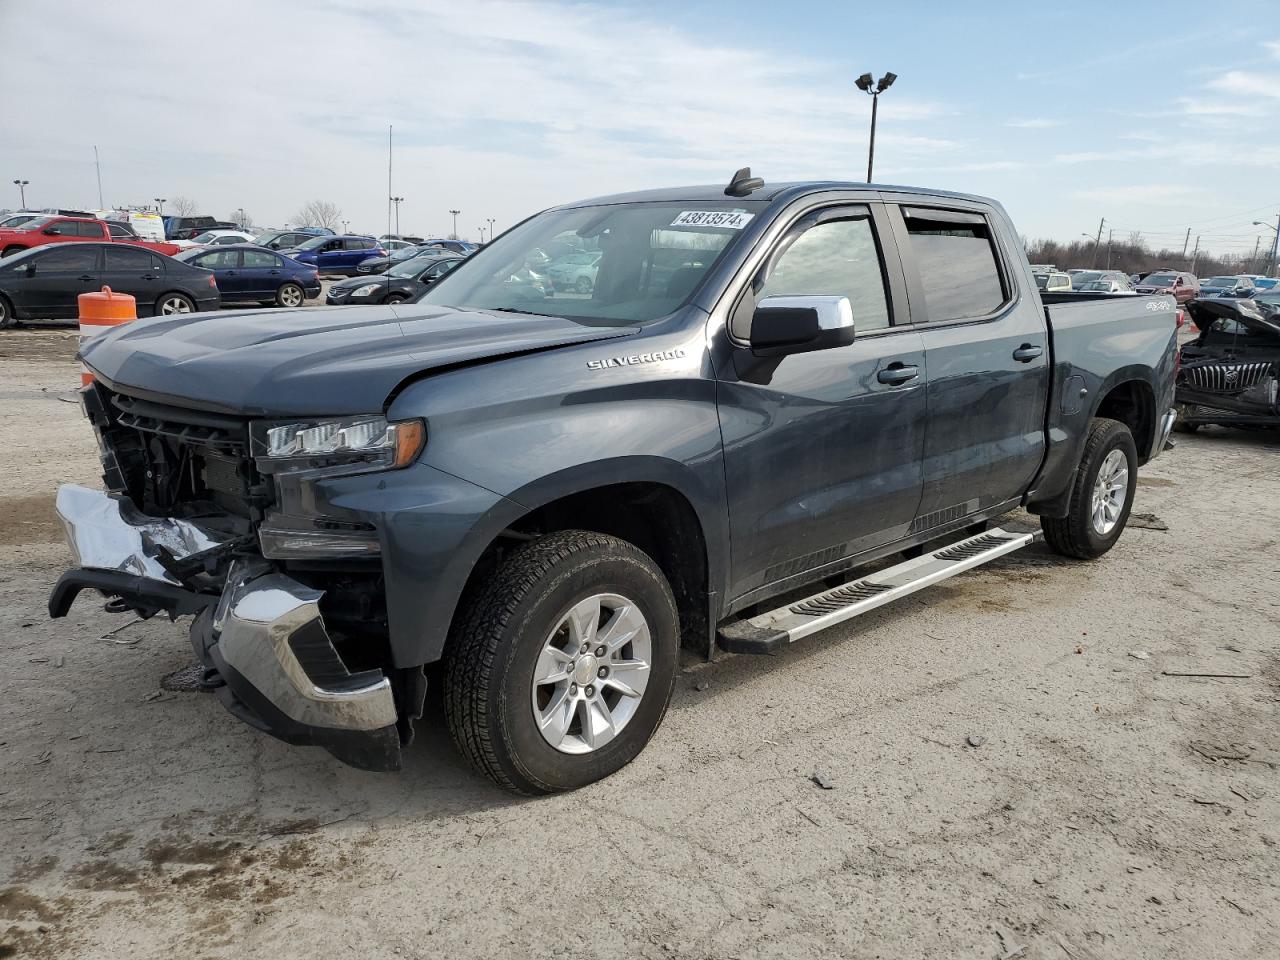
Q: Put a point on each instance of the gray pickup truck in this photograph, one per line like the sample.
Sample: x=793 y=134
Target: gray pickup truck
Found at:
x=539 y=496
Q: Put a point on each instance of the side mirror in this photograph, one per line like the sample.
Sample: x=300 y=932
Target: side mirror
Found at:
x=53 y=232
x=30 y=268
x=784 y=325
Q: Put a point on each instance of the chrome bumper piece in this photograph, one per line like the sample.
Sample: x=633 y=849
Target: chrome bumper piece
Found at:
x=1166 y=428
x=266 y=636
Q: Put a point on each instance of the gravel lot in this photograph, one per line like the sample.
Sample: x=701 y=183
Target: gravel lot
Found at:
x=1112 y=810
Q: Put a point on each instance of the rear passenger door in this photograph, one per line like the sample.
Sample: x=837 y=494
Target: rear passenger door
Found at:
x=132 y=270
x=822 y=451
x=987 y=346
x=261 y=273
x=329 y=258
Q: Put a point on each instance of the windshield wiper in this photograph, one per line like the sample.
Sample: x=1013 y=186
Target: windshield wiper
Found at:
x=527 y=313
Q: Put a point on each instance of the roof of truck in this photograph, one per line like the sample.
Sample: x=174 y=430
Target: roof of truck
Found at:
x=770 y=191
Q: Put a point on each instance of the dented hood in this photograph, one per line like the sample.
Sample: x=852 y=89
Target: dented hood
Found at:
x=312 y=361
x=1256 y=315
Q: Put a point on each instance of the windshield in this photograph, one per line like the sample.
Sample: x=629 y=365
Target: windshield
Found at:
x=36 y=223
x=205 y=237
x=1084 y=276
x=17 y=220
x=1160 y=280
x=652 y=256
x=1219 y=282
x=412 y=267
x=263 y=239
x=314 y=243
x=1104 y=285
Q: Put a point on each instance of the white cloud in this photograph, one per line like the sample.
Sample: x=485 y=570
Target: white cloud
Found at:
x=1243 y=83
x=500 y=107
x=1034 y=123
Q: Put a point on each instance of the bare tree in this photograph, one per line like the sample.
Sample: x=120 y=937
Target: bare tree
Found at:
x=184 y=206
x=318 y=213
x=241 y=217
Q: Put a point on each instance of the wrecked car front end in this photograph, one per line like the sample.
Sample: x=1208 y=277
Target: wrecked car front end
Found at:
x=1229 y=374
x=218 y=517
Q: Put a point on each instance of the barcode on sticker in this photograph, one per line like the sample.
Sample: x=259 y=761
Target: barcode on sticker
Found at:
x=725 y=220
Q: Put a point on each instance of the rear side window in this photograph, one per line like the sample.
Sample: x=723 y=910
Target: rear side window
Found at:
x=957 y=264
x=219 y=260
x=260 y=259
x=126 y=258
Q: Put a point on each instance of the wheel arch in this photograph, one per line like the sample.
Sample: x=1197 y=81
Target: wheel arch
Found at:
x=1132 y=401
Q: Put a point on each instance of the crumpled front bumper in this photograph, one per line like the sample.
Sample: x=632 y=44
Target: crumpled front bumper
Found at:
x=264 y=633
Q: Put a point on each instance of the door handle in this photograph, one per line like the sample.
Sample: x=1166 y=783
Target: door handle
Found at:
x=898 y=372
x=231 y=273
x=1027 y=352
x=275 y=273
x=149 y=276
x=86 y=276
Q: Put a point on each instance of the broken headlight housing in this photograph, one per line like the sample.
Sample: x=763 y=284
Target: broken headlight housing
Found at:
x=336 y=445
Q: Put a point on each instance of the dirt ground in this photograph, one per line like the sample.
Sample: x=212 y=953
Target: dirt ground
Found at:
x=1107 y=807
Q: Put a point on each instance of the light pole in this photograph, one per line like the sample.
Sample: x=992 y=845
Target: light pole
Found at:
x=491 y=223
x=160 y=204
x=242 y=218
x=1275 y=240
x=397 y=201
x=864 y=83
x=455 y=223
x=22 y=191
x=480 y=230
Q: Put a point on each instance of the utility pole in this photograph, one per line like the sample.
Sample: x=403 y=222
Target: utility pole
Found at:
x=389 y=198
x=1195 y=255
x=1185 y=241
x=1097 y=242
x=1110 y=233
x=97 y=166
x=455 y=223
x=1253 y=257
x=1274 y=243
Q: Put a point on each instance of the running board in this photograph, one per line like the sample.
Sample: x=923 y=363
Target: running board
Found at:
x=767 y=632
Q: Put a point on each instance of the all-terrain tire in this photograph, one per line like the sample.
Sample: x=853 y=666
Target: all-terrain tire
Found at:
x=1076 y=535
x=497 y=640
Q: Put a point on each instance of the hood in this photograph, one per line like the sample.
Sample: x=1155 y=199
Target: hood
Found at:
x=313 y=362
x=1256 y=316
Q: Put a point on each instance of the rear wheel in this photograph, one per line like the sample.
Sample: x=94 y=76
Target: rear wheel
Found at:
x=8 y=251
x=174 y=303
x=6 y=314
x=290 y=295
x=1101 y=495
x=583 y=285
x=561 y=668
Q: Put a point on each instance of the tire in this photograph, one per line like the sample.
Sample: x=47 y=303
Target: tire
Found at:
x=171 y=304
x=1082 y=533
x=583 y=285
x=501 y=644
x=7 y=318
x=394 y=298
x=9 y=251
x=290 y=295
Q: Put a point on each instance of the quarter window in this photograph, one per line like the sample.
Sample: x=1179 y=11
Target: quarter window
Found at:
x=957 y=265
x=260 y=260
x=836 y=258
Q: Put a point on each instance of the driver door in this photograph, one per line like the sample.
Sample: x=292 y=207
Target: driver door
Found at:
x=823 y=451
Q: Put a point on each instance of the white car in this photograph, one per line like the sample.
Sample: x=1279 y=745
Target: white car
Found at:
x=214 y=238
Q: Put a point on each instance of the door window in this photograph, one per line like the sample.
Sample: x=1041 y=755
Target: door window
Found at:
x=260 y=259
x=71 y=258
x=837 y=258
x=127 y=259
x=219 y=260
x=957 y=262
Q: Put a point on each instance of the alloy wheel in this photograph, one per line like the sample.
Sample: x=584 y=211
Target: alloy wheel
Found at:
x=1109 y=492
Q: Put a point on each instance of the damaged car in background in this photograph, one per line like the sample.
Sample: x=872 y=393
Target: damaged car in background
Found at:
x=1230 y=373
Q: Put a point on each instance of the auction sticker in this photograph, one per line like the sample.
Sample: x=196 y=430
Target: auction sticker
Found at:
x=725 y=220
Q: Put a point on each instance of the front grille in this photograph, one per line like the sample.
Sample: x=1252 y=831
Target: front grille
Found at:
x=1225 y=377
x=174 y=460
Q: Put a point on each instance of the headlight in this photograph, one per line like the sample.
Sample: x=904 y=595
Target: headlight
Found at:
x=367 y=289
x=337 y=446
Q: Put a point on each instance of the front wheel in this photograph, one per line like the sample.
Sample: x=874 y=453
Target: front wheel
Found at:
x=560 y=669
x=1101 y=494
x=394 y=298
x=174 y=303
x=9 y=251
x=290 y=295
x=6 y=314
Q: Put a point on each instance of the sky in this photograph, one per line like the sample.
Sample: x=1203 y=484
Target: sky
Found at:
x=1158 y=117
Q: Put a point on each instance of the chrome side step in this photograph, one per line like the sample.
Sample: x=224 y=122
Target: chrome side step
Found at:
x=767 y=632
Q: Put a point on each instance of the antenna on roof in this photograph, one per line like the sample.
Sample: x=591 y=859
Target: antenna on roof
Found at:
x=742 y=183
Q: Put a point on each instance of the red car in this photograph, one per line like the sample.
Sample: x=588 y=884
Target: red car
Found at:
x=42 y=230
x=1183 y=286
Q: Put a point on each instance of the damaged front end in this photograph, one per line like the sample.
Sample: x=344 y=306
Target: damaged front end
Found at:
x=1229 y=375
x=294 y=637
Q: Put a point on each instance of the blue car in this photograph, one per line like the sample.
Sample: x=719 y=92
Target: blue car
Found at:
x=245 y=272
x=336 y=254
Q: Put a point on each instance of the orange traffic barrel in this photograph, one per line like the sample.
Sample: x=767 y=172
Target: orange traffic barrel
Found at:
x=100 y=312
